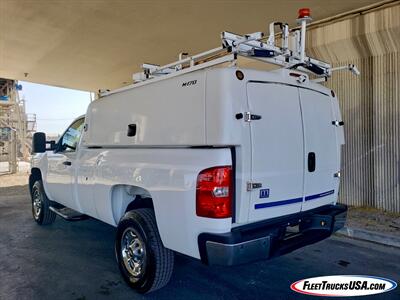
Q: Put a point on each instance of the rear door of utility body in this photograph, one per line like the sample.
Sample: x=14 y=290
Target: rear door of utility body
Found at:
x=294 y=150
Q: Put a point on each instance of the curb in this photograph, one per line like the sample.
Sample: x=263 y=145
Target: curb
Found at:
x=370 y=236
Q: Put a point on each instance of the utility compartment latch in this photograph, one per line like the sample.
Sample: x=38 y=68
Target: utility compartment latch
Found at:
x=248 y=117
x=253 y=185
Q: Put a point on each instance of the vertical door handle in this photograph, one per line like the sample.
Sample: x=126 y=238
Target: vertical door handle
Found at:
x=311 y=162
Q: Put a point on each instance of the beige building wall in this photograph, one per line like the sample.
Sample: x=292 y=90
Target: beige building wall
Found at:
x=370 y=103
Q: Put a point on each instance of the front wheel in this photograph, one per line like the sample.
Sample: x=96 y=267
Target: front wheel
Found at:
x=145 y=264
x=40 y=205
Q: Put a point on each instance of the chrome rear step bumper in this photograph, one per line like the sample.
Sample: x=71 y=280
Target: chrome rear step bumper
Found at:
x=270 y=238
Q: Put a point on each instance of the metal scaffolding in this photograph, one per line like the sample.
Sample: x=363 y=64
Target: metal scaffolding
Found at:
x=16 y=126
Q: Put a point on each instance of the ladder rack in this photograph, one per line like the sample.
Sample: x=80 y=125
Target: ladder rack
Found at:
x=289 y=54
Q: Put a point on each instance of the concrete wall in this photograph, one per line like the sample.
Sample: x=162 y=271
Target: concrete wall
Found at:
x=370 y=103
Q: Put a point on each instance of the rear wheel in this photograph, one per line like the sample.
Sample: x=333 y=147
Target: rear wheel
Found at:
x=40 y=205
x=144 y=262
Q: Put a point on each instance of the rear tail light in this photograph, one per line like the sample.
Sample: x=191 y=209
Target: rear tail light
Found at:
x=214 y=193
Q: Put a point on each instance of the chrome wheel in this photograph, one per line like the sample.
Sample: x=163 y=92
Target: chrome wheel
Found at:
x=37 y=203
x=133 y=252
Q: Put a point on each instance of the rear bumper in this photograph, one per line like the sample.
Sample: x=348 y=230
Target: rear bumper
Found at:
x=267 y=239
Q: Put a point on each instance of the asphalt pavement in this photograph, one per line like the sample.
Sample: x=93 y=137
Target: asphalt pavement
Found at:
x=75 y=260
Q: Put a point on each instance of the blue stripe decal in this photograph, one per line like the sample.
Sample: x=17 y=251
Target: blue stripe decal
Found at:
x=278 y=203
x=291 y=201
x=316 y=196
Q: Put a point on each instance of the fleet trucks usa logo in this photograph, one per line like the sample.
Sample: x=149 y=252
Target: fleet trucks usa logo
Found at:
x=343 y=286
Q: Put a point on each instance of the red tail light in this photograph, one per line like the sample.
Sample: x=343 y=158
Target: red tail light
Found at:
x=214 y=193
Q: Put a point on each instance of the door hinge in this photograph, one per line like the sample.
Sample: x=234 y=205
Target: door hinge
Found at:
x=248 y=117
x=253 y=185
x=337 y=123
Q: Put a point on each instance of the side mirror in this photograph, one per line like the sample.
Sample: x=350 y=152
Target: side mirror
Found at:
x=52 y=145
x=39 y=142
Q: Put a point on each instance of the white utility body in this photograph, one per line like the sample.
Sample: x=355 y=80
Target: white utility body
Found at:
x=223 y=162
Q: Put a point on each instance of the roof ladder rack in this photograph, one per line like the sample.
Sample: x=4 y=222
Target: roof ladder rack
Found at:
x=290 y=54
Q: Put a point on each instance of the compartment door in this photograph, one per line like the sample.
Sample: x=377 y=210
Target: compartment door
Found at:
x=321 y=150
x=277 y=162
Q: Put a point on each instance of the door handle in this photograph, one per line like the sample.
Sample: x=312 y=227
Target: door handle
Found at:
x=131 y=130
x=311 y=162
x=67 y=163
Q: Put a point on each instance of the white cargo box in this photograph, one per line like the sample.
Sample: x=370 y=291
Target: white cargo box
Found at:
x=194 y=109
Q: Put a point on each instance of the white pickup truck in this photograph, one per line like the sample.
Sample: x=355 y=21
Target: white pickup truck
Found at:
x=224 y=164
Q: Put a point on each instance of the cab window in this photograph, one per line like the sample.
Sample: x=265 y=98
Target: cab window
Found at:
x=69 y=141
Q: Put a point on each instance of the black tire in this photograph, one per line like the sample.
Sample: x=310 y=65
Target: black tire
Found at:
x=44 y=216
x=158 y=260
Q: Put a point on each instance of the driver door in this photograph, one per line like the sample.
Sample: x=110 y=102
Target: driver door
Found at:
x=62 y=166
